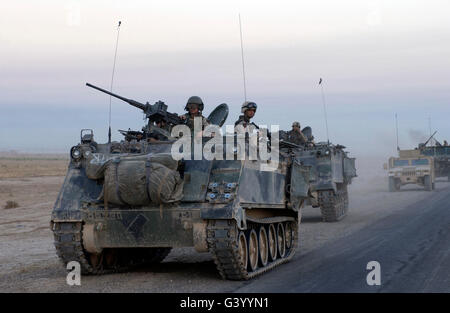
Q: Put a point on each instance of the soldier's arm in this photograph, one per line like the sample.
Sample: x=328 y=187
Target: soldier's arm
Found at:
x=303 y=137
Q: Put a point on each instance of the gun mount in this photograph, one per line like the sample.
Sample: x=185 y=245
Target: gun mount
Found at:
x=423 y=145
x=154 y=112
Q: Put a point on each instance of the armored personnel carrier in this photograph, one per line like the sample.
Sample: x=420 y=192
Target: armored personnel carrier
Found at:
x=331 y=171
x=128 y=203
x=410 y=167
x=441 y=157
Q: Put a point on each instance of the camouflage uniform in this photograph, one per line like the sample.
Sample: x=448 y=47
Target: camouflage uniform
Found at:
x=297 y=138
x=244 y=121
x=190 y=121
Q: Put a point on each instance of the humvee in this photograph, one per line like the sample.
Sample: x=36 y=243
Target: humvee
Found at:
x=410 y=167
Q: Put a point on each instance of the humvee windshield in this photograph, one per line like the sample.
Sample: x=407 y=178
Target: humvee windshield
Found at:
x=401 y=163
x=419 y=162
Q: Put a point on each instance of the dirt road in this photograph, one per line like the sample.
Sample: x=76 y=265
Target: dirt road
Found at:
x=28 y=262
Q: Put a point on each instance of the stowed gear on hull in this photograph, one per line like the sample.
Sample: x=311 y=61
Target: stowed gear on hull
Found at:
x=246 y=217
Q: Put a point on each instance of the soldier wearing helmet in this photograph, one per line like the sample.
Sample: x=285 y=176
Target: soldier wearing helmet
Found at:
x=295 y=135
x=194 y=106
x=249 y=110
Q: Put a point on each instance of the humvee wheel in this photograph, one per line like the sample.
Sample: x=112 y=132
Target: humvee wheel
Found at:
x=253 y=251
x=392 y=184
x=427 y=182
x=272 y=243
x=263 y=246
x=281 y=240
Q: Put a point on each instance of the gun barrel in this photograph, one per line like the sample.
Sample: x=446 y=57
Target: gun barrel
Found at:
x=129 y=101
x=430 y=138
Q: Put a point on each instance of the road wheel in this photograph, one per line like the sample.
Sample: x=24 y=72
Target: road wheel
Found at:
x=253 y=250
x=281 y=240
x=263 y=246
x=272 y=243
x=242 y=248
x=289 y=235
x=108 y=259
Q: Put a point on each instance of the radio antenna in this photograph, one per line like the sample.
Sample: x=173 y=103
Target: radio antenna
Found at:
x=242 y=56
x=429 y=126
x=324 y=108
x=112 y=81
x=396 y=131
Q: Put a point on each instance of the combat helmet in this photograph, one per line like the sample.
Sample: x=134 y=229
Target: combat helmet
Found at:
x=248 y=105
x=296 y=124
x=194 y=100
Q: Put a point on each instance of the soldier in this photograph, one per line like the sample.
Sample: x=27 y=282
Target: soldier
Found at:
x=155 y=135
x=194 y=106
x=296 y=136
x=249 y=110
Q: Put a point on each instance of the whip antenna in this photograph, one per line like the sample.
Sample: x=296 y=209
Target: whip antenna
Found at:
x=112 y=81
x=324 y=109
x=396 y=130
x=429 y=125
x=242 y=56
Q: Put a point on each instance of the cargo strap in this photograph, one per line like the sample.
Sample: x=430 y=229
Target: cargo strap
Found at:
x=147 y=178
x=116 y=180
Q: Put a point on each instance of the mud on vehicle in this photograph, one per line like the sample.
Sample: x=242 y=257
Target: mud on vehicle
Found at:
x=411 y=167
x=128 y=203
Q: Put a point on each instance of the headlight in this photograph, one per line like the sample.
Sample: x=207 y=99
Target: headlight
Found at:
x=327 y=152
x=75 y=153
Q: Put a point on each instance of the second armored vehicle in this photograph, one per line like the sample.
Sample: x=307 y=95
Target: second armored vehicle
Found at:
x=331 y=171
x=441 y=157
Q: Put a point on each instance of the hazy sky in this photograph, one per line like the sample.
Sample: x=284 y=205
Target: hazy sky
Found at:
x=377 y=58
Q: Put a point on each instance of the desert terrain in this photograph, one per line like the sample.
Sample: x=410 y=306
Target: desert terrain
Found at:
x=28 y=262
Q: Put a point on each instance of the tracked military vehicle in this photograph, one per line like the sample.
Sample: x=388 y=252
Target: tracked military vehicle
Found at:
x=441 y=156
x=128 y=203
x=331 y=171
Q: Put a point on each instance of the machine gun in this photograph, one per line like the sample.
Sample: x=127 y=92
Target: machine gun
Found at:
x=423 y=145
x=154 y=112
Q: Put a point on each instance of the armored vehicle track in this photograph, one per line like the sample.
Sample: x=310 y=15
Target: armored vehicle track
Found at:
x=333 y=206
x=244 y=254
x=69 y=247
